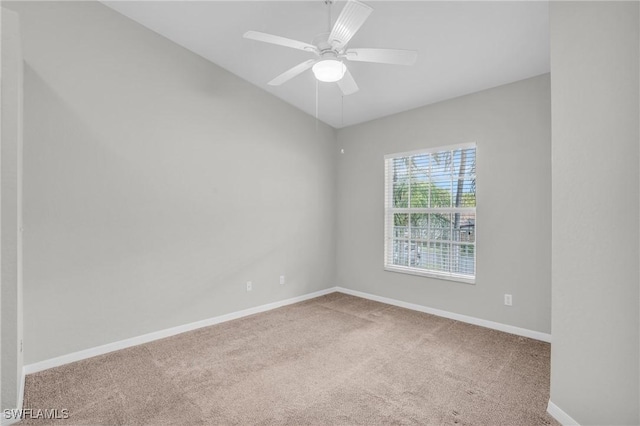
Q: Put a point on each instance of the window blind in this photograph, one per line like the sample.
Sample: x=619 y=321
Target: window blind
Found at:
x=430 y=212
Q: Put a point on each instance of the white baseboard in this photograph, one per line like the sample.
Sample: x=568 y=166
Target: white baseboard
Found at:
x=563 y=418
x=145 y=338
x=537 y=335
x=21 y=390
x=7 y=422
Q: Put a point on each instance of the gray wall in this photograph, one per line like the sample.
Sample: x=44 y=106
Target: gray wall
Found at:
x=11 y=153
x=594 y=69
x=156 y=184
x=511 y=126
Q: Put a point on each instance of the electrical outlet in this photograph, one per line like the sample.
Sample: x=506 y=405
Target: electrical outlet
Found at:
x=281 y=279
x=249 y=286
x=508 y=300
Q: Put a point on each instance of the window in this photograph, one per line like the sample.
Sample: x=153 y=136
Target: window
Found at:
x=430 y=213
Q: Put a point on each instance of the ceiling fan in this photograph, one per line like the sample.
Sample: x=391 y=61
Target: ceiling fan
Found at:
x=330 y=49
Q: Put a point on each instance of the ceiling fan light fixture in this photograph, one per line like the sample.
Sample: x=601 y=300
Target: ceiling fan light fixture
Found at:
x=329 y=70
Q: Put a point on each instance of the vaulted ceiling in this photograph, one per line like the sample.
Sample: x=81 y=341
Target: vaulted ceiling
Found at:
x=463 y=47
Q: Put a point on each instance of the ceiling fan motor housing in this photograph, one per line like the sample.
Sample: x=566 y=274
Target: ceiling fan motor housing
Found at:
x=328 y=54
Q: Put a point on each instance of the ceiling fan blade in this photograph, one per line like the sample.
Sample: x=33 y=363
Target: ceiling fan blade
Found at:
x=289 y=74
x=280 y=41
x=347 y=84
x=383 y=56
x=349 y=22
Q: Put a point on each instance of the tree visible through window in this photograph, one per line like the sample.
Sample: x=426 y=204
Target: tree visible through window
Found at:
x=430 y=212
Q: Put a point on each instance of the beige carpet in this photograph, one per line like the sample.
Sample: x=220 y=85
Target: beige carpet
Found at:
x=336 y=359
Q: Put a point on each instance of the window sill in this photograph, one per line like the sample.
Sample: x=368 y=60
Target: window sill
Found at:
x=414 y=271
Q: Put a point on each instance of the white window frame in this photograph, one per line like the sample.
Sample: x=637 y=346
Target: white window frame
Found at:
x=389 y=211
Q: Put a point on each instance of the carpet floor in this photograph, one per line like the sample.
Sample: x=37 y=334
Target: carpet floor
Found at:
x=335 y=359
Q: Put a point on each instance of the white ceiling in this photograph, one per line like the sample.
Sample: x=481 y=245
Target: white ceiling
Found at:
x=463 y=47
